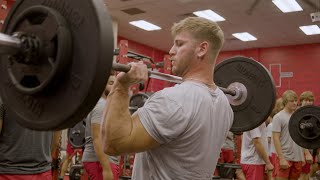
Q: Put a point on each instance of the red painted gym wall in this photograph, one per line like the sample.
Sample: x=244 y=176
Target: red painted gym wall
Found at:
x=302 y=60
x=155 y=54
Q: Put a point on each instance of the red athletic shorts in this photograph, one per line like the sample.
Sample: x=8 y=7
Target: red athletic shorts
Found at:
x=41 y=176
x=94 y=170
x=274 y=163
x=226 y=156
x=70 y=151
x=293 y=172
x=253 y=172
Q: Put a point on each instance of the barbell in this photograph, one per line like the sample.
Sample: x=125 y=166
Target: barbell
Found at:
x=57 y=57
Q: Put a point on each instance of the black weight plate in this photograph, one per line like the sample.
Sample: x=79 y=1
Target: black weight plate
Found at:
x=77 y=91
x=76 y=135
x=137 y=101
x=55 y=51
x=308 y=138
x=259 y=88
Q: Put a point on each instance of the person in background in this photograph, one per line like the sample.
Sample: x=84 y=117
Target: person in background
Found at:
x=254 y=154
x=25 y=154
x=307 y=98
x=97 y=164
x=290 y=156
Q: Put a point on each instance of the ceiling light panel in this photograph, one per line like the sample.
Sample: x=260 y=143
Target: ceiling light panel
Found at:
x=209 y=14
x=145 y=25
x=287 y=6
x=310 y=30
x=245 y=36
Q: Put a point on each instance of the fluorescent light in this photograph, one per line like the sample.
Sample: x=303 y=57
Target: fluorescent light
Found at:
x=287 y=5
x=310 y=30
x=209 y=14
x=244 y=36
x=145 y=25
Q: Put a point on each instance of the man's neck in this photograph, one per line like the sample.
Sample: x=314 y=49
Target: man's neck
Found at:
x=290 y=111
x=203 y=74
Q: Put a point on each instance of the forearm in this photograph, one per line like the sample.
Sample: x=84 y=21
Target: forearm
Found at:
x=103 y=158
x=261 y=151
x=306 y=152
x=55 y=145
x=117 y=122
x=277 y=146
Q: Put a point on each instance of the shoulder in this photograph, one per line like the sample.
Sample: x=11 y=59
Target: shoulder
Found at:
x=278 y=115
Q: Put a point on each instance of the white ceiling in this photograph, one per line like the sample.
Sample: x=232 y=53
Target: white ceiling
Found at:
x=266 y=22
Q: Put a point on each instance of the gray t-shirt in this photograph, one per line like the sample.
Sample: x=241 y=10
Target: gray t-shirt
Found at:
x=23 y=151
x=94 y=117
x=191 y=122
x=290 y=150
x=249 y=154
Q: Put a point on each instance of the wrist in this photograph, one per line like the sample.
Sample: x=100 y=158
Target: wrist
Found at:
x=281 y=157
x=119 y=87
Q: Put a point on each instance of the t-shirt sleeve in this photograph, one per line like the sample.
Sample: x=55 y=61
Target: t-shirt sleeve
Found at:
x=276 y=124
x=255 y=133
x=97 y=113
x=163 y=118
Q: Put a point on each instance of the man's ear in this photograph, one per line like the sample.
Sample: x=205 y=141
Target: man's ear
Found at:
x=203 y=49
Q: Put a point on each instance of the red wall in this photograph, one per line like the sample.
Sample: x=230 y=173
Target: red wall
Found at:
x=302 y=60
x=155 y=54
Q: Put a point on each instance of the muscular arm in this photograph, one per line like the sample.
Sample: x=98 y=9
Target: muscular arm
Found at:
x=103 y=158
x=121 y=132
x=260 y=149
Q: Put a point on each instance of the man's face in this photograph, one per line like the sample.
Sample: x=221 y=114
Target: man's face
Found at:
x=109 y=85
x=292 y=104
x=182 y=53
x=306 y=102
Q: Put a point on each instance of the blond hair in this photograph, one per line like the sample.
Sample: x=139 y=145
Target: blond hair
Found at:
x=289 y=95
x=277 y=107
x=306 y=95
x=203 y=30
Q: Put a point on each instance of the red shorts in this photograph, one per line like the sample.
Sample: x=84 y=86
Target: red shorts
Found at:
x=94 y=170
x=226 y=156
x=274 y=163
x=41 y=176
x=253 y=172
x=293 y=172
x=70 y=151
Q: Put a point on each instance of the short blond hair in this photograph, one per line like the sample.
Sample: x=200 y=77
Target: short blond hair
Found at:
x=203 y=30
x=289 y=95
x=306 y=95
